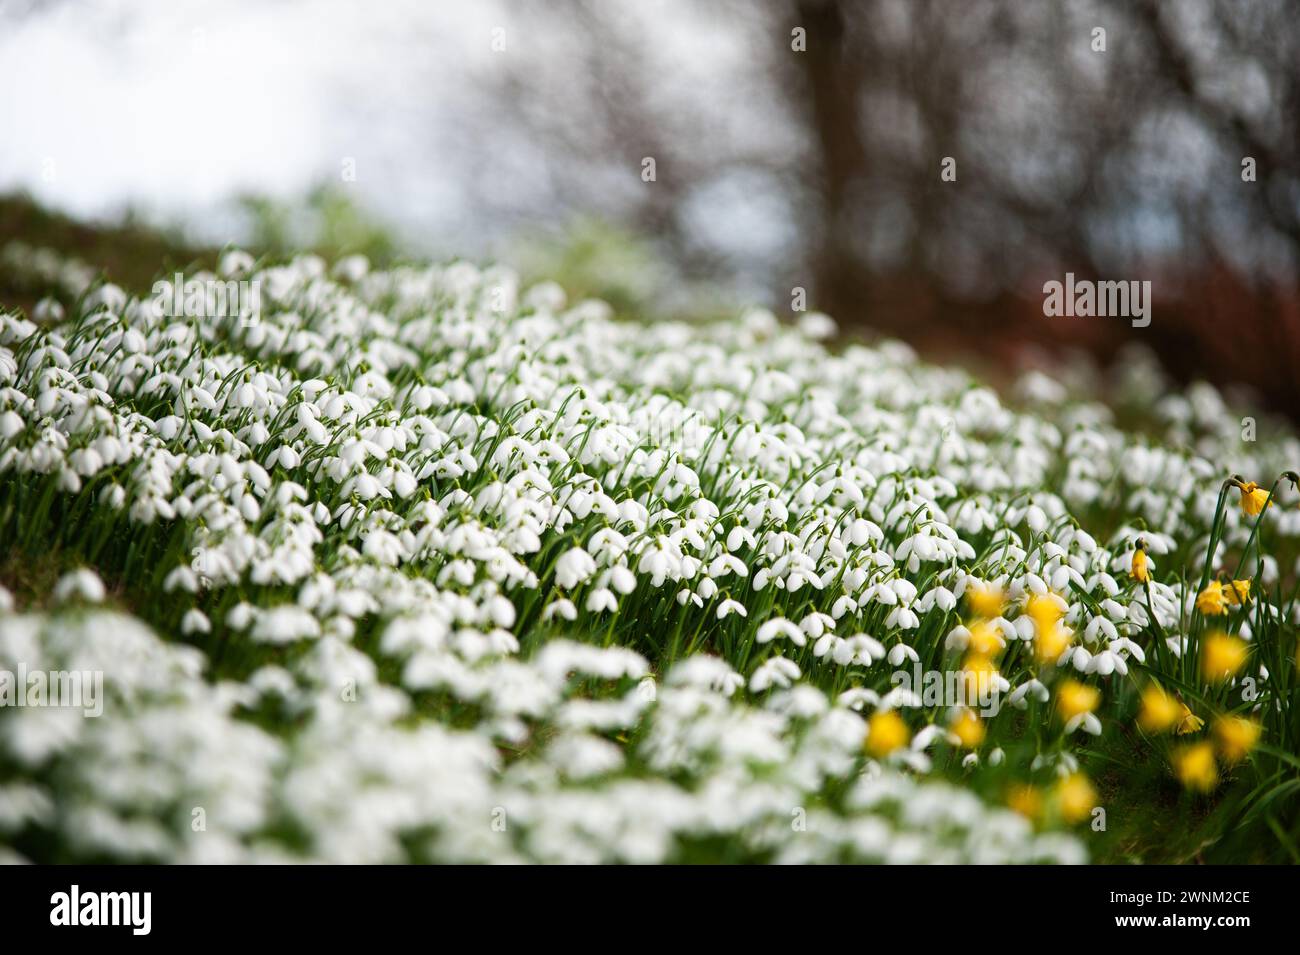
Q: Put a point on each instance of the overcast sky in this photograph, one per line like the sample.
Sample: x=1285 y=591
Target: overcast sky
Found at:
x=173 y=107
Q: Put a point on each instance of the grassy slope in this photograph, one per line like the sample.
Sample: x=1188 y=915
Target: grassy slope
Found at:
x=1150 y=818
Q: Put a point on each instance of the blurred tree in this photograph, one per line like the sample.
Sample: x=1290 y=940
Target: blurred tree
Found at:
x=1107 y=138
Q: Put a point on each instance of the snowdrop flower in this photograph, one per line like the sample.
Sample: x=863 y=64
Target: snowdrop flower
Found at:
x=10 y=425
x=725 y=564
x=241 y=616
x=958 y=638
x=1031 y=689
x=927 y=737
x=560 y=608
x=574 y=566
x=843 y=605
x=825 y=644
x=729 y=607
x=817 y=325
x=900 y=698
x=181 y=577
x=284 y=624
x=815 y=624
x=1107 y=662
x=581 y=756
x=858 y=698
x=195 y=621
x=866 y=646
x=82 y=584
x=900 y=652
x=603 y=600
x=1079 y=657
x=1100 y=628
x=902 y=618
x=780 y=627
x=235 y=263
x=1088 y=722
x=711 y=673
x=776 y=671
x=939 y=597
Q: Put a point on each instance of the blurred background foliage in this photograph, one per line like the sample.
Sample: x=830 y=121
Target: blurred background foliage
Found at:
x=328 y=221
x=798 y=144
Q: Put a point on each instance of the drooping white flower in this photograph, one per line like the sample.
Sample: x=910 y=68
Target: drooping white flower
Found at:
x=82 y=584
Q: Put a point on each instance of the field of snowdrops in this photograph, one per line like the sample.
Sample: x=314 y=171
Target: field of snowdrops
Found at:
x=421 y=565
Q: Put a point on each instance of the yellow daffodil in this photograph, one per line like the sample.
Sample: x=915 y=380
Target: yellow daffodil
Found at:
x=969 y=729
x=1222 y=657
x=1195 y=767
x=1051 y=643
x=1050 y=638
x=1140 y=569
x=886 y=732
x=1188 y=722
x=1075 y=699
x=1213 y=600
x=1237 y=736
x=1076 y=797
x=980 y=673
x=1026 y=800
x=1253 y=498
x=985 y=639
x=1043 y=610
x=985 y=601
x=1238 y=592
x=1160 y=711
